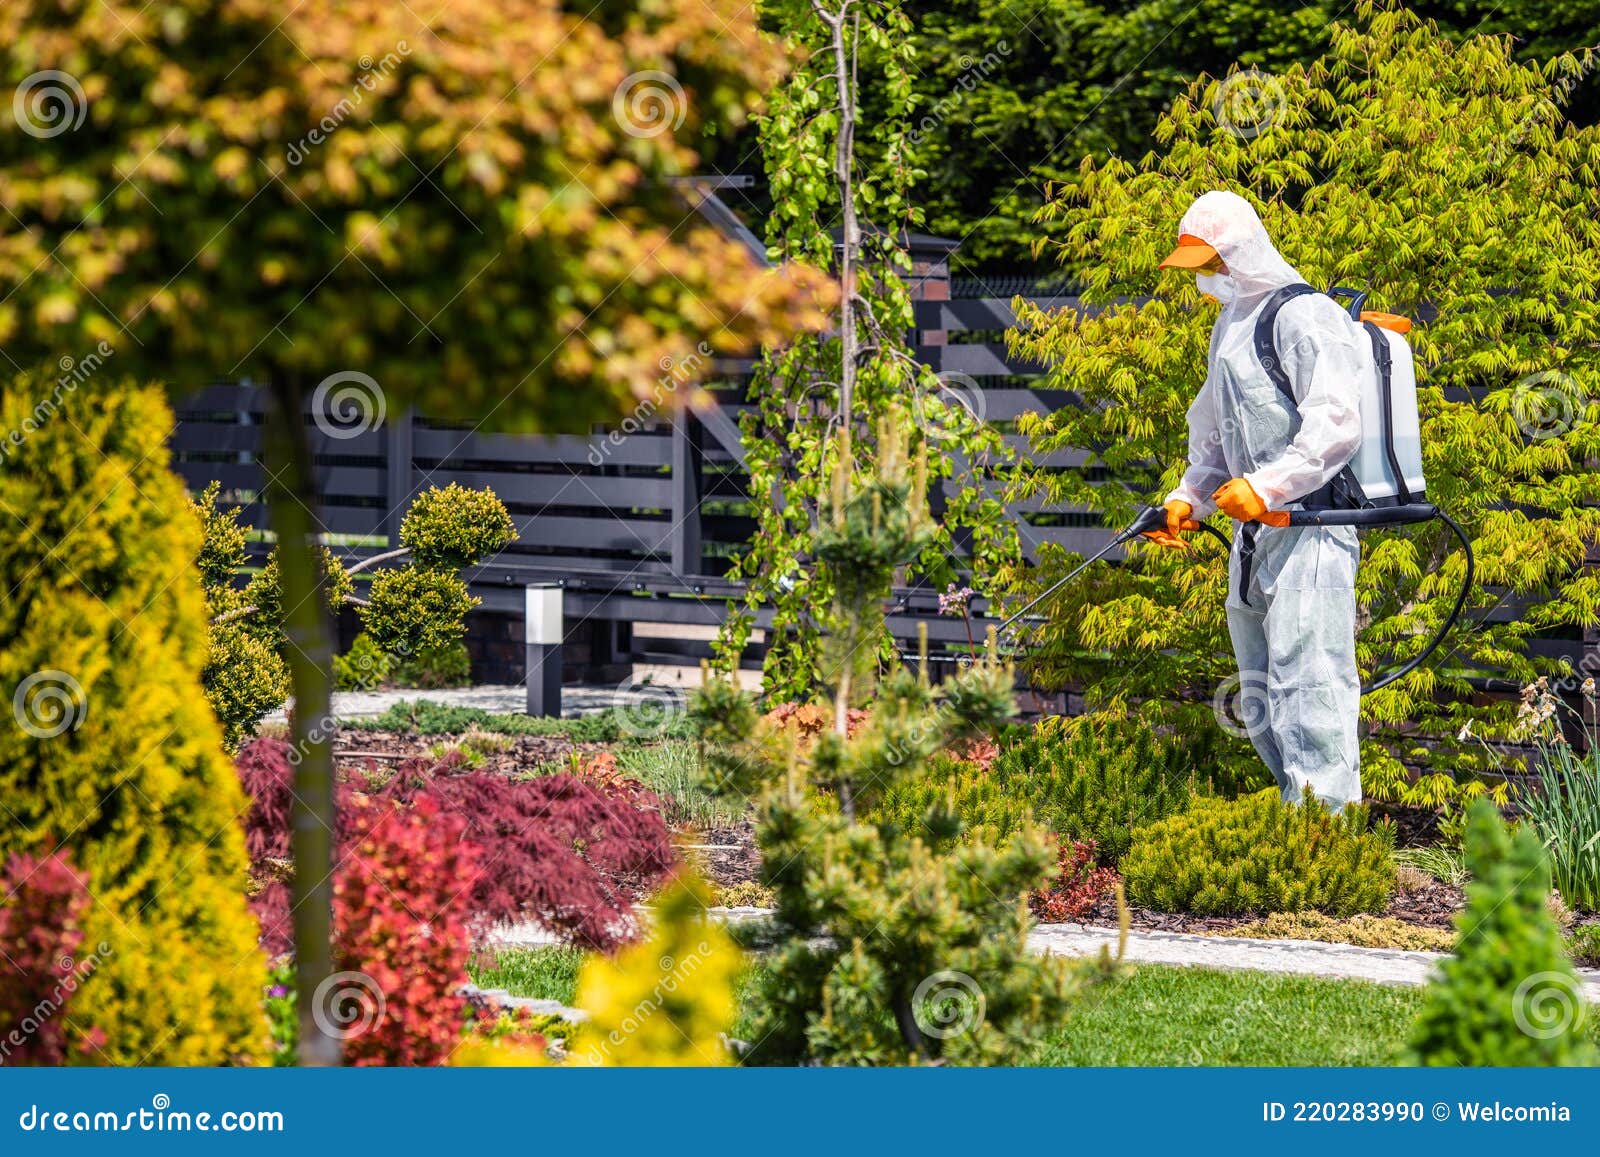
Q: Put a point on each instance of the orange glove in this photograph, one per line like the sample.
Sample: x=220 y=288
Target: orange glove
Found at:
x=1239 y=501
x=1177 y=519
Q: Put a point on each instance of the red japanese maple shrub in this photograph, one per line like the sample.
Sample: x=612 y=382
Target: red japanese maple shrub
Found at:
x=555 y=849
x=40 y=931
x=267 y=774
x=401 y=940
x=1074 y=893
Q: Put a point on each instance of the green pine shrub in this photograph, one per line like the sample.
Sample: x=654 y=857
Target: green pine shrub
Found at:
x=1509 y=996
x=366 y=665
x=1095 y=778
x=111 y=752
x=1259 y=854
x=447 y=666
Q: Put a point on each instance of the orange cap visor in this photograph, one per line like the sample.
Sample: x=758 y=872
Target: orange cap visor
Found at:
x=1191 y=253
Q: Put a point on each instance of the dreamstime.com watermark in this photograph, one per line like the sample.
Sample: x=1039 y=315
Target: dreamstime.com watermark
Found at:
x=347 y=1005
x=370 y=672
x=948 y=1004
x=675 y=972
x=49 y=103
x=675 y=372
x=74 y=974
x=74 y=372
x=973 y=73
x=160 y=1117
x=348 y=404
x=1249 y=103
x=650 y=103
x=373 y=72
x=48 y=703
x=1547 y=1005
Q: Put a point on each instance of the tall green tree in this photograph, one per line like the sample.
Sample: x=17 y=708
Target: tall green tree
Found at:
x=840 y=182
x=1012 y=94
x=1441 y=176
x=471 y=214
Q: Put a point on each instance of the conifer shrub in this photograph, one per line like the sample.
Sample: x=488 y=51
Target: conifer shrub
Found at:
x=1091 y=779
x=668 y=1000
x=884 y=946
x=1509 y=995
x=412 y=611
x=1260 y=854
x=110 y=747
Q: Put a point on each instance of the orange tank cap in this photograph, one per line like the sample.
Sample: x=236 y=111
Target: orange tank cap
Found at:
x=1392 y=321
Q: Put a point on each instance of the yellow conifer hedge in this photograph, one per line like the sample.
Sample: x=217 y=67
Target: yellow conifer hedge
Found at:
x=107 y=745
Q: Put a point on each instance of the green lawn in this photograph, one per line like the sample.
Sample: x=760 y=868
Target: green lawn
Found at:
x=1151 y=1015
x=1163 y=1015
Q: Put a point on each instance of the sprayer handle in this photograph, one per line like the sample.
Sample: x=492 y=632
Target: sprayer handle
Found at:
x=1278 y=518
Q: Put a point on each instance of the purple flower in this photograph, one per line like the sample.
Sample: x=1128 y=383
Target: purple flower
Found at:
x=277 y=992
x=953 y=601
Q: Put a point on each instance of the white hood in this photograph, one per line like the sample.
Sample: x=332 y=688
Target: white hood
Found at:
x=1227 y=223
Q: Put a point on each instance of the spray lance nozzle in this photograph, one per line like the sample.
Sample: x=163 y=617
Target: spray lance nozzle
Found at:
x=1150 y=518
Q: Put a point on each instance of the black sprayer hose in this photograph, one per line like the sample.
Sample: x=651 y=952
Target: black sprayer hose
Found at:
x=1421 y=657
x=1154 y=518
x=1151 y=518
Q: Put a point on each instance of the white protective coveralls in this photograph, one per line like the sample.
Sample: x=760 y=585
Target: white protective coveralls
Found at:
x=1293 y=623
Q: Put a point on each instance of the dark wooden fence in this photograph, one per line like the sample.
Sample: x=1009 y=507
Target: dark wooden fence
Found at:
x=639 y=528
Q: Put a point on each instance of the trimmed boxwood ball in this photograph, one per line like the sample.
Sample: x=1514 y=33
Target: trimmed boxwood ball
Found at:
x=1259 y=854
x=449 y=527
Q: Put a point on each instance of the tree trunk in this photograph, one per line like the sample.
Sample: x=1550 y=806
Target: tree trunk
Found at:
x=844 y=166
x=291 y=497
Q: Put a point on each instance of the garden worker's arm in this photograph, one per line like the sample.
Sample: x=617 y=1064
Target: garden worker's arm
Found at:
x=1323 y=362
x=1191 y=500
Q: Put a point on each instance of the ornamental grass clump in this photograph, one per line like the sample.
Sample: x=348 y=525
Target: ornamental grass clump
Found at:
x=1509 y=996
x=1564 y=813
x=1260 y=854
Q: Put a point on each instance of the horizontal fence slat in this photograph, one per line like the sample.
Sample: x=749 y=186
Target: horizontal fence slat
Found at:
x=976 y=361
x=564 y=489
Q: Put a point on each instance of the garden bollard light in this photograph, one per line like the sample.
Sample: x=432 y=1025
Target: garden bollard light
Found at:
x=542 y=634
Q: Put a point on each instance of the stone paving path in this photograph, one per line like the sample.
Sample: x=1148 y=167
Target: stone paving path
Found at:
x=501 y=699
x=1295 y=957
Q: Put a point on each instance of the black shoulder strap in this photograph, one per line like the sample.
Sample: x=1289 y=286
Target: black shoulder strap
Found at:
x=1343 y=491
x=1266 y=337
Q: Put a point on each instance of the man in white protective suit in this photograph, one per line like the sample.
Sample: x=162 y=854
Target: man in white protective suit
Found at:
x=1255 y=450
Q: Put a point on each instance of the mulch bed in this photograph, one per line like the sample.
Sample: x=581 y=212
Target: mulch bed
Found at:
x=384 y=750
x=1430 y=905
x=724 y=856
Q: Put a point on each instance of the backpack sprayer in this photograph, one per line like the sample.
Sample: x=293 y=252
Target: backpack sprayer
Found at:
x=1382 y=485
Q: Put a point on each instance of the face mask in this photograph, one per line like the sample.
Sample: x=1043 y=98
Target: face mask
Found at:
x=1217 y=285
